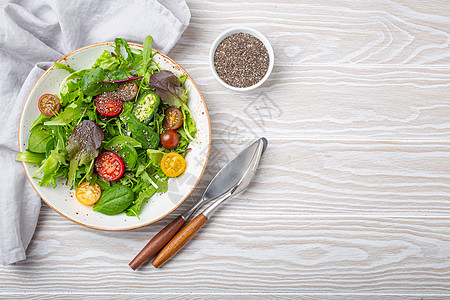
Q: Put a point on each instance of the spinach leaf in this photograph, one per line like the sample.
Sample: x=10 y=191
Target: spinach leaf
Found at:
x=41 y=119
x=120 y=139
x=39 y=138
x=122 y=145
x=98 y=80
x=93 y=83
x=114 y=200
x=142 y=133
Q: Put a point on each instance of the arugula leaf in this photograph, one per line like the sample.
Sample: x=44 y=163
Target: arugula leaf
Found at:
x=147 y=53
x=137 y=63
x=122 y=43
x=74 y=94
x=145 y=194
x=106 y=61
x=72 y=112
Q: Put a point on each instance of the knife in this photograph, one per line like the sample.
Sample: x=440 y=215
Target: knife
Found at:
x=231 y=180
x=219 y=189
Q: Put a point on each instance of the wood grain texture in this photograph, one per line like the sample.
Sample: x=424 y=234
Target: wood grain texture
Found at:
x=328 y=32
x=351 y=103
x=341 y=177
x=278 y=253
x=226 y=296
x=351 y=200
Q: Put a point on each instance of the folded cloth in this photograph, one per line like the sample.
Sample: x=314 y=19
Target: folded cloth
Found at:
x=34 y=34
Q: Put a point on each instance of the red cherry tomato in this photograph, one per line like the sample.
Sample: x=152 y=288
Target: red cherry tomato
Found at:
x=48 y=104
x=173 y=118
x=109 y=165
x=169 y=139
x=108 y=104
x=127 y=90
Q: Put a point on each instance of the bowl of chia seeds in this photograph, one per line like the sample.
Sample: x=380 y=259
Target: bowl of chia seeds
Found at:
x=241 y=59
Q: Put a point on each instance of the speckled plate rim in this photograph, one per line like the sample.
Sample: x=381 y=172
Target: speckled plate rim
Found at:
x=176 y=206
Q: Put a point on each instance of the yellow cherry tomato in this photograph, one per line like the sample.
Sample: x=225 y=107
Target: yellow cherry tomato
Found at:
x=173 y=164
x=87 y=194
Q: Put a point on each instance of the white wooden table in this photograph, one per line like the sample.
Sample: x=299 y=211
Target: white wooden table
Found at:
x=352 y=198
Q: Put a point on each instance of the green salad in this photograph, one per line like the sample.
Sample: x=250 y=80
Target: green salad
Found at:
x=116 y=131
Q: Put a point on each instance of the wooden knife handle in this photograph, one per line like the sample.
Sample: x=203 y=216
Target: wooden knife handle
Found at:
x=181 y=239
x=157 y=242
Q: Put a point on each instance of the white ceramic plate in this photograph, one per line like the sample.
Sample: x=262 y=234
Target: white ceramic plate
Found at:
x=62 y=199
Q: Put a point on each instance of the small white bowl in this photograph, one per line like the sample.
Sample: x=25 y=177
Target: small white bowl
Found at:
x=256 y=34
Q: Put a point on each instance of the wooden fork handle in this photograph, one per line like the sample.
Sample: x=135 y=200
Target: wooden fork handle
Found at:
x=157 y=242
x=181 y=239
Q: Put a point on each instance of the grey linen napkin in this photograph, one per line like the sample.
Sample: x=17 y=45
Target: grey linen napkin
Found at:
x=34 y=34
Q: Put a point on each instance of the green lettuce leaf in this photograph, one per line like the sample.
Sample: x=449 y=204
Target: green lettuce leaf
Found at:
x=30 y=157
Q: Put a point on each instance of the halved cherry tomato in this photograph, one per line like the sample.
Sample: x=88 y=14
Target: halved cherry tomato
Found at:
x=108 y=104
x=128 y=90
x=169 y=139
x=48 y=104
x=173 y=164
x=109 y=165
x=88 y=194
x=173 y=118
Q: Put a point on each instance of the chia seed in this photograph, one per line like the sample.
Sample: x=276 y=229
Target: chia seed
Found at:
x=241 y=60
